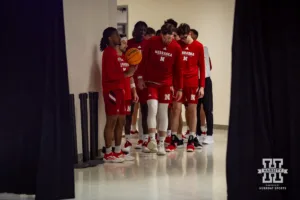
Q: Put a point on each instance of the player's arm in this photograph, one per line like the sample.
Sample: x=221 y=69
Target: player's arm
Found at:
x=142 y=68
x=178 y=75
x=178 y=67
x=201 y=65
x=135 y=97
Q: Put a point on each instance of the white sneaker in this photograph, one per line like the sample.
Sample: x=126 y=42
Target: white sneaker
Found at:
x=128 y=157
x=161 y=150
x=201 y=138
x=139 y=145
x=152 y=146
x=145 y=148
x=208 y=140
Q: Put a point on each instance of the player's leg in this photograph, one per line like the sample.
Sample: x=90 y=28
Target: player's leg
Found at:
x=128 y=120
x=169 y=132
x=187 y=119
x=114 y=100
x=176 y=115
x=192 y=115
x=144 y=122
x=152 y=103
x=208 y=109
x=134 y=122
x=176 y=140
x=140 y=128
x=165 y=98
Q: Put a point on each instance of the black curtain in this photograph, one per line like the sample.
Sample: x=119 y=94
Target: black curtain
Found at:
x=265 y=101
x=36 y=154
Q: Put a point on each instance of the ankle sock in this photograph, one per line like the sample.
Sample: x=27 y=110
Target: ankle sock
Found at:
x=118 y=149
x=152 y=136
x=108 y=150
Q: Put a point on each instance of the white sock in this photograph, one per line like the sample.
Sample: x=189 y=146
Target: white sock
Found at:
x=169 y=132
x=162 y=140
x=152 y=136
x=113 y=143
x=174 y=133
x=203 y=129
x=118 y=149
x=108 y=150
x=193 y=134
x=179 y=136
x=133 y=127
x=141 y=137
x=127 y=137
x=146 y=138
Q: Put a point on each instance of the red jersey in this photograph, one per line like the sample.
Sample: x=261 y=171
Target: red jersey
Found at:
x=125 y=67
x=112 y=74
x=194 y=62
x=140 y=46
x=162 y=64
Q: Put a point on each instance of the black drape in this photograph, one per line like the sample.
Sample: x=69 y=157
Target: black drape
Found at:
x=265 y=104
x=36 y=150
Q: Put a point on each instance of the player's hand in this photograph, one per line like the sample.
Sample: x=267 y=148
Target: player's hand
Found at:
x=200 y=92
x=130 y=71
x=141 y=84
x=172 y=91
x=135 y=96
x=178 y=95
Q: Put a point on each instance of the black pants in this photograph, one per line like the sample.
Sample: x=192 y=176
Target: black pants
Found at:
x=207 y=102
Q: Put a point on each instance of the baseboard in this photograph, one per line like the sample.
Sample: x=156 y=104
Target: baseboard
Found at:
x=216 y=126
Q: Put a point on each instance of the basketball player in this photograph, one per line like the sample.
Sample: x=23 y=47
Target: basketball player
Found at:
x=161 y=69
x=205 y=105
x=176 y=37
x=113 y=83
x=150 y=33
x=138 y=41
x=130 y=93
x=193 y=58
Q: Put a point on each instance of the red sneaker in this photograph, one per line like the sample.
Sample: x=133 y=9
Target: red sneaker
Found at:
x=168 y=140
x=171 y=148
x=127 y=147
x=190 y=145
x=139 y=145
x=124 y=156
x=111 y=157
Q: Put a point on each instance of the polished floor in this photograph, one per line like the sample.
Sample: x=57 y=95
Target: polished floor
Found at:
x=177 y=176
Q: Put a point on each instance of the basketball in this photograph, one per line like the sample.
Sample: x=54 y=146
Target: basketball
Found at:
x=133 y=56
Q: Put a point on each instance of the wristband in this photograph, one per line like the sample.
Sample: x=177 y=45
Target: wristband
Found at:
x=132 y=85
x=140 y=77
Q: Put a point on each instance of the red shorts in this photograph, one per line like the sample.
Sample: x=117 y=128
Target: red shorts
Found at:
x=143 y=95
x=128 y=107
x=189 y=95
x=161 y=93
x=114 y=102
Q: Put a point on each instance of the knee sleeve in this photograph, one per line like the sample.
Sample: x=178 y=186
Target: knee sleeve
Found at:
x=140 y=123
x=152 y=112
x=163 y=116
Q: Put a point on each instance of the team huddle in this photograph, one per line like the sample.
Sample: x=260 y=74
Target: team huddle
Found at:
x=174 y=71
